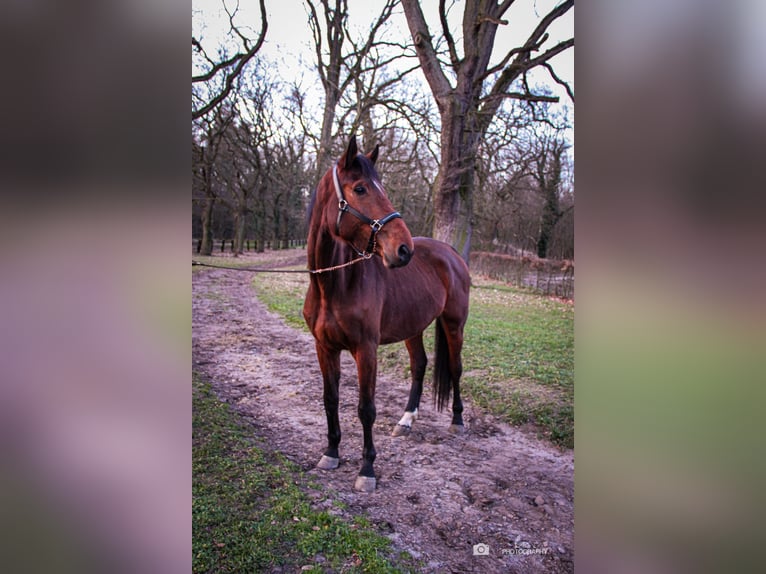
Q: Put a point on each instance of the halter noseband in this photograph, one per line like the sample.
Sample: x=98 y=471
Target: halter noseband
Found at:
x=375 y=224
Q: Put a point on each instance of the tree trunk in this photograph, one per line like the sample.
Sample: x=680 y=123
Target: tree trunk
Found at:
x=239 y=232
x=324 y=157
x=261 y=228
x=453 y=194
x=207 y=212
x=550 y=217
x=452 y=222
x=549 y=179
x=207 y=231
x=334 y=17
x=546 y=227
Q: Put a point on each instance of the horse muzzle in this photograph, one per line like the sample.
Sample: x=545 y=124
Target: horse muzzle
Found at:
x=400 y=258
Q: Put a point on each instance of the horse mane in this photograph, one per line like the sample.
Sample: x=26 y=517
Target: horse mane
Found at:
x=310 y=206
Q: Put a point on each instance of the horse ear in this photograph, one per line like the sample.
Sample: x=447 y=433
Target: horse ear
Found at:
x=373 y=155
x=351 y=152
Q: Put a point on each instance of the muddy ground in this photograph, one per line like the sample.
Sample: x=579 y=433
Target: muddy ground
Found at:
x=438 y=494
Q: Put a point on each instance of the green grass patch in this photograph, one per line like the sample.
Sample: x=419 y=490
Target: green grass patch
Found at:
x=518 y=356
x=251 y=511
x=284 y=294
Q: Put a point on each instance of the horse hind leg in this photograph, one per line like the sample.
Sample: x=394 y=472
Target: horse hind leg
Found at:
x=418 y=362
x=452 y=332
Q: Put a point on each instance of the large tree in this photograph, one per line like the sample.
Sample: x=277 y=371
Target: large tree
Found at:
x=468 y=93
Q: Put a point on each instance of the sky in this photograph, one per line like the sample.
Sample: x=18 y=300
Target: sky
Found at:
x=289 y=42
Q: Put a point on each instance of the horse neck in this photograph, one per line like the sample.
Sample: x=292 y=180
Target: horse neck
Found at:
x=322 y=249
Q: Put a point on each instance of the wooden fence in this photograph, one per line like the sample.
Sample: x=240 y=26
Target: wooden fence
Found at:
x=546 y=276
x=251 y=244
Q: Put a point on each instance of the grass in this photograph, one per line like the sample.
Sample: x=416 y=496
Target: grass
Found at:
x=251 y=510
x=518 y=356
x=284 y=294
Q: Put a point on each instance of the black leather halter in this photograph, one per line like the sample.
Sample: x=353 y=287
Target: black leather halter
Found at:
x=375 y=224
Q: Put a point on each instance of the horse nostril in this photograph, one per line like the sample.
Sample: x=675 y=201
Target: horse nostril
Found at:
x=404 y=253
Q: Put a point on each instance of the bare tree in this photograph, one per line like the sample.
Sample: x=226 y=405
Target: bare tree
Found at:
x=206 y=145
x=468 y=106
x=523 y=188
x=212 y=86
x=547 y=174
x=339 y=68
x=250 y=167
x=244 y=166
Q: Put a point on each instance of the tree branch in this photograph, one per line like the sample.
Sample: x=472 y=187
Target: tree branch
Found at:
x=528 y=97
x=429 y=60
x=316 y=31
x=242 y=60
x=559 y=81
x=510 y=54
x=448 y=36
x=544 y=57
x=360 y=53
x=216 y=68
x=523 y=62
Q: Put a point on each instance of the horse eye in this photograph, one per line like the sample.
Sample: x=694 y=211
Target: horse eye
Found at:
x=359 y=190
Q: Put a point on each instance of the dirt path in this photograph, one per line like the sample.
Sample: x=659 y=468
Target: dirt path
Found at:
x=437 y=494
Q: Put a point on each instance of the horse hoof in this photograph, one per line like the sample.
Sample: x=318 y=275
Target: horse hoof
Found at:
x=327 y=463
x=457 y=429
x=401 y=430
x=365 y=483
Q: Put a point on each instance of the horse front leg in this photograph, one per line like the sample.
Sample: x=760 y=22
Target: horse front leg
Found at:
x=367 y=366
x=329 y=363
x=418 y=362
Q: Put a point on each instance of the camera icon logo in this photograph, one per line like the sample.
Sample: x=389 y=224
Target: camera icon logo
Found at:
x=481 y=549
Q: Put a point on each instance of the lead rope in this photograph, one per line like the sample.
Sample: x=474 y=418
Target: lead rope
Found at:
x=362 y=257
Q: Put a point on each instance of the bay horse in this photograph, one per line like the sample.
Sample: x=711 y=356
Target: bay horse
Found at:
x=391 y=292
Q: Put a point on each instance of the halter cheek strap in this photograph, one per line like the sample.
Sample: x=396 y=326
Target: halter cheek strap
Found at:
x=375 y=224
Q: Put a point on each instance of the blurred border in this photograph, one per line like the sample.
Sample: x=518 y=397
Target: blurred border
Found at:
x=95 y=404
x=670 y=321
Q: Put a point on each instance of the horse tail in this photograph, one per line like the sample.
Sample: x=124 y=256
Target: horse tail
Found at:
x=442 y=374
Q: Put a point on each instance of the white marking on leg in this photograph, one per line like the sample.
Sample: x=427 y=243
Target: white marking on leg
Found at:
x=408 y=418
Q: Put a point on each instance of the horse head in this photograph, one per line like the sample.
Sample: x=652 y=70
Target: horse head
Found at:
x=364 y=217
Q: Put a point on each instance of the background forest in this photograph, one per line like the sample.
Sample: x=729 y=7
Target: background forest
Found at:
x=475 y=130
